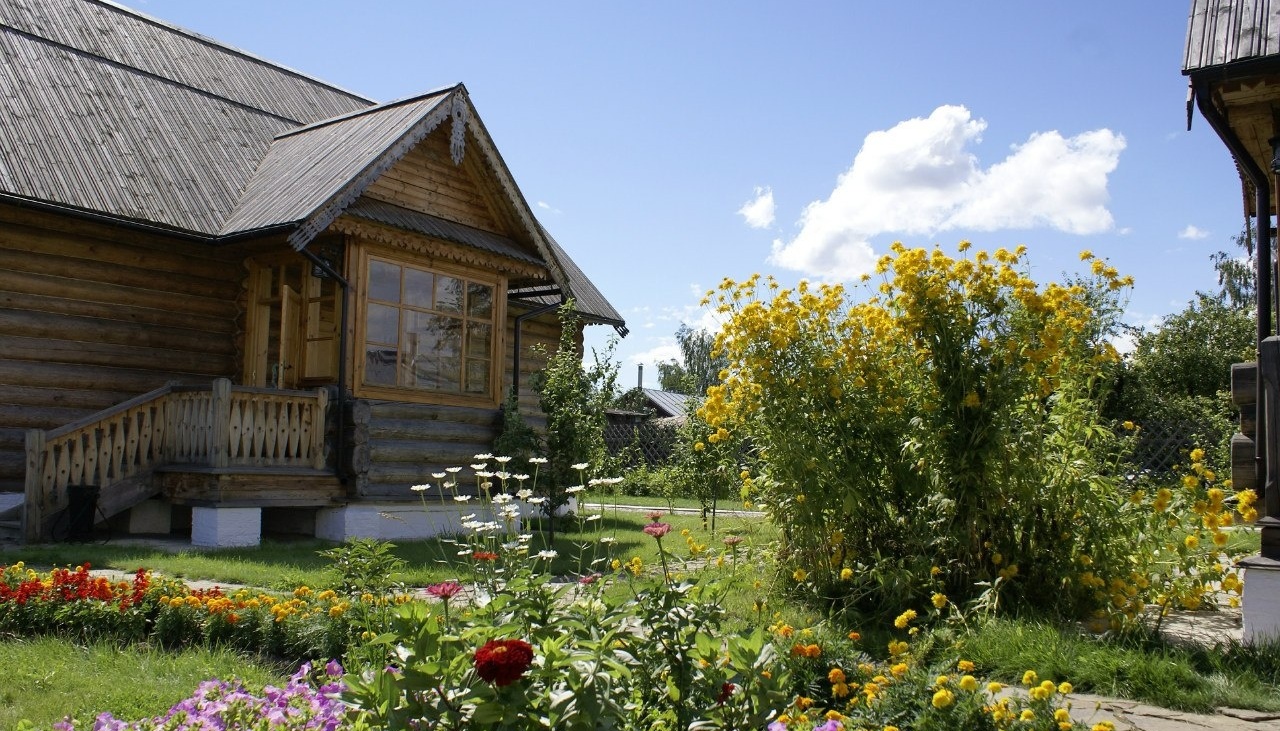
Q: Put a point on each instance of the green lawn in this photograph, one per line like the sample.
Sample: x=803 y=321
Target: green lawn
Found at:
x=46 y=679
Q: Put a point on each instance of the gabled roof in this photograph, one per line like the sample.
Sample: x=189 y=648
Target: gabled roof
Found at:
x=669 y=403
x=115 y=114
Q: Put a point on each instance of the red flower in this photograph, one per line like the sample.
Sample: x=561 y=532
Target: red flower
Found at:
x=445 y=590
x=657 y=530
x=484 y=556
x=503 y=662
x=726 y=690
x=653 y=515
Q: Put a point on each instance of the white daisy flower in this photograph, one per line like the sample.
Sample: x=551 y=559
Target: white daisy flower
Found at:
x=579 y=466
x=503 y=460
x=547 y=554
x=462 y=498
x=486 y=455
x=454 y=470
x=438 y=475
x=420 y=488
x=537 y=460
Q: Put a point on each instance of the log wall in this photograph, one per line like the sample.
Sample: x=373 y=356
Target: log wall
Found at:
x=398 y=445
x=91 y=315
x=427 y=180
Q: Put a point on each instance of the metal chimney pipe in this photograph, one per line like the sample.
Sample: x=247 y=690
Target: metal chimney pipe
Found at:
x=640 y=375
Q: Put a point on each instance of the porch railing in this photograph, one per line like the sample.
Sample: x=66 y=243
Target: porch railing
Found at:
x=218 y=426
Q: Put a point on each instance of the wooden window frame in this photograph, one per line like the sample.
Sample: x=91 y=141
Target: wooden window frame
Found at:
x=359 y=324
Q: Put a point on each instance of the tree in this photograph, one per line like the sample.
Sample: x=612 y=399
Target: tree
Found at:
x=1237 y=278
x=698 y=370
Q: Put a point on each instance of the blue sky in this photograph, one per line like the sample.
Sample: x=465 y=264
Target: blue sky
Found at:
x=667 y=145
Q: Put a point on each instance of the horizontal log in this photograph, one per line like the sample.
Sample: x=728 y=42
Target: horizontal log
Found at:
x=39 y=353
x=381 y=410
x=1249 y=420
x=13 y=464
x=1244 y=467
x=177 y=284
x=13 y=438
x=75 y=398
x=31 y=324
x=176 y=257
x=65 y=375
x=131 y=315
x=1244 y=384
x=40 y=417
x=413 y=451
x=56 y=224
x=419 y=431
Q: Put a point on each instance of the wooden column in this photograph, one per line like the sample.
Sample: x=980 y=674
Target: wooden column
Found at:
x=220 y=428
x=1269 y=372
x=319 y=422
x=1244 y=396
x=33 y=508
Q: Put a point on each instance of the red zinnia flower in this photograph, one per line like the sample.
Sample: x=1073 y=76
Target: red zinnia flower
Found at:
x=726 y=690
x=484 y=556
x=445 y=590
x=657 y=530
x=503 y=662
x=653 y=515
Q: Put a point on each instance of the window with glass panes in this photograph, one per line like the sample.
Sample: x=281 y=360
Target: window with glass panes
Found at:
x=427 y=330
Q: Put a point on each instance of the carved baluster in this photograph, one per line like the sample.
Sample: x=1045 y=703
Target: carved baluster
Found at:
x=131 y=443
x=77 y=460
x=91 y=456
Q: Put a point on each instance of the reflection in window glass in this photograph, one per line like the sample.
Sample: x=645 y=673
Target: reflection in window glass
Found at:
x=479 y=300
x=428 y=331
x=448 y=294
x=384 y=281
x=417 y=288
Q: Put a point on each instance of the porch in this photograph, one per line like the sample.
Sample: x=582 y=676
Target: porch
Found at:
x=218 y=448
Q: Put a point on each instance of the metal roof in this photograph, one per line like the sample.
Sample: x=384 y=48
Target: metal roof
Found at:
x=1222 y=32
x=116 y=114
x=440 y=228
x=669 y=403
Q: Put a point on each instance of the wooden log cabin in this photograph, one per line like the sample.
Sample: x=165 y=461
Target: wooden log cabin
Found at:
x=1233 y=65
x=232 y=292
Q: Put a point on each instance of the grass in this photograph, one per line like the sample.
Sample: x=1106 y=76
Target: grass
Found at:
x=48 y=678
x=283 y=566
x=723 y=505
x=1145 y=669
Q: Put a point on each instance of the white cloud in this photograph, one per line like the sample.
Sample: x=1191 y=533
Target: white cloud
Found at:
x=920 y=177
x=547 y=207
x=666 y=350
x=759 y=211
x=1193 y=232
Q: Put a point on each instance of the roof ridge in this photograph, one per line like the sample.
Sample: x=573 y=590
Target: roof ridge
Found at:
x=143 y=72
x=213 y=42
x=444 y=90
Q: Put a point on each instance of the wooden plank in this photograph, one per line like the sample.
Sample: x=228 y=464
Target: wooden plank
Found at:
x=50 y=326
x=170 y=363
x=1244 y=384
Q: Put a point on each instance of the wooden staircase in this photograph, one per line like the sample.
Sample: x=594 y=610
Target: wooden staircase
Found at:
x=216 y=433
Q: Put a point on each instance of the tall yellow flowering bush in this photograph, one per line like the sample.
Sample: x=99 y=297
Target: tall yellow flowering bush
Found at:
x=939 y=426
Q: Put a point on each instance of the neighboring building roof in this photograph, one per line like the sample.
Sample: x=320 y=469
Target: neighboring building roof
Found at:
x=669 y=403
x=1223 y=32
x=112 y=113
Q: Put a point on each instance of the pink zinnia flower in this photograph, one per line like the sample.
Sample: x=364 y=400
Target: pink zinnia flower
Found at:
x=657 y=530
x=653 y=515
x=445 y=590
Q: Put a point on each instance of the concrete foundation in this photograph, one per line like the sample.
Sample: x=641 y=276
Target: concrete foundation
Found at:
x=399 y=521
x=226 y=527
x=1260 y=603
x=150 y=516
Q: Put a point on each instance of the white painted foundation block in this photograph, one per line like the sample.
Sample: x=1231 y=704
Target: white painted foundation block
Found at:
x=226 y=527
x=1260 y=603
x=150 y=516
x=400 y=521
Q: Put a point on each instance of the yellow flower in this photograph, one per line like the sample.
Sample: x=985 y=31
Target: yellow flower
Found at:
x=902 y=620
x=846 y=574
x=898 y=670
x=1128 y=426
x=800 y=575
x=699 y=446
x=965 y=666
x=934 y=571
x=939 y=600
x=1197 y=455
x=854 y=636
x=943 y=698
x=1027 y=715
x=1065 y=687
x=897 y=647
x=968 y=684
x=1029 y=678
x=994 y=688
x=1103 y=726
x=1061 y=715
x=1191 y=541
x=835 y=675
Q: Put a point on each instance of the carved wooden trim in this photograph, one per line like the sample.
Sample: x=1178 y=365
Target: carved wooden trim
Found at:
x=438 y=248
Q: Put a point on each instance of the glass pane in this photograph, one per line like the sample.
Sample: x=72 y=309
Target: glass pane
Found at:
x=380 y=366
x=477 y=376
x=384 y=281
x=479 y=300
x=433 y=348
x=449 y=293
x=478 y=338
x=382 y=324
x=417 y=288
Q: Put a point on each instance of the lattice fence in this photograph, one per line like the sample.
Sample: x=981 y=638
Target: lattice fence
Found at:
x=644 y=441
